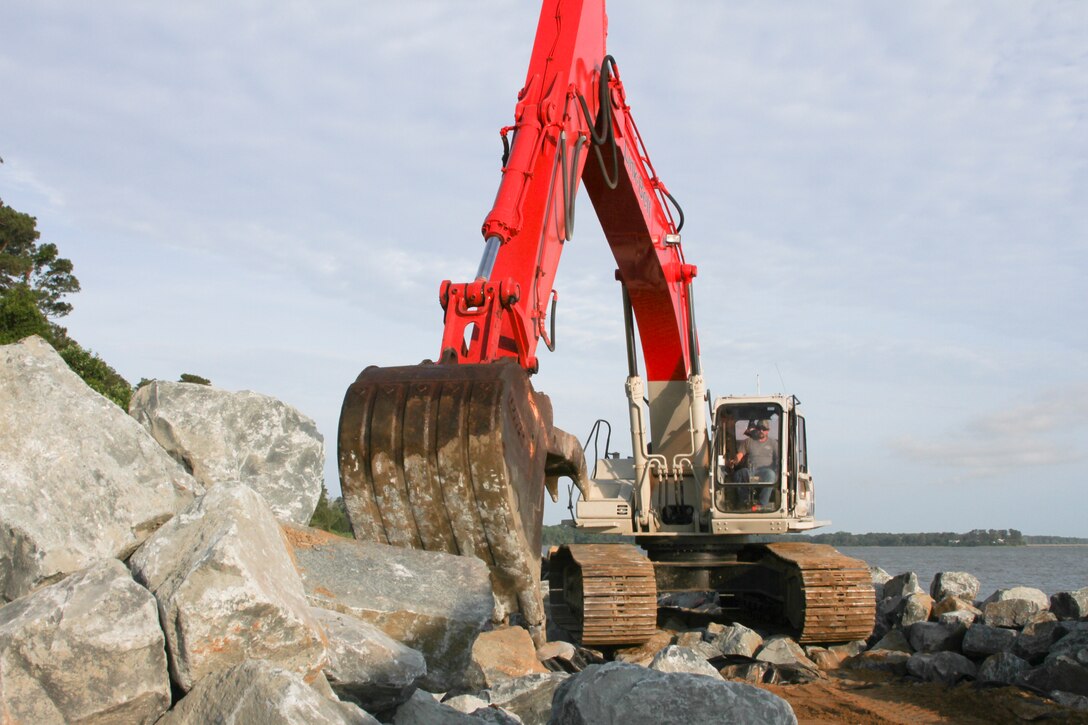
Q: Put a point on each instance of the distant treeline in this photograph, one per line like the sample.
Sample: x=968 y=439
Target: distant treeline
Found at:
x=554 y=535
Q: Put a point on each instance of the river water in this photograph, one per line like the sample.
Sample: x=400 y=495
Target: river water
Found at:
x=1050 y=568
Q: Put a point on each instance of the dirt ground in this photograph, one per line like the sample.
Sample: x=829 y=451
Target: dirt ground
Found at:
x=848 y=696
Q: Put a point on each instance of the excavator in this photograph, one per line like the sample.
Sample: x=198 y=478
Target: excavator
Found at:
x=455 y=455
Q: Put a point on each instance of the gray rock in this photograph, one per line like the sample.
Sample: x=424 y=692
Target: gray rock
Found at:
x=884 y=660
x=1073 y=645
x=1009 y=612
x=894 y=641
x=86 y=649
x=878 y=575
x=849 y=649
x=960 y=617
x=621 y=693
x=737 y=639
x=982 y=640
x=748 y=671
x=1030 y=594
x=936 y=637
x=529 y=697
x=564 y=651
x=944 y=667
x=466 y=703
x=422 y=709
x=954 y=584
x=915 y=608
x=690 y=639
x=781 y=650
x=366 y=666
x=227 y=588
x=259 y=692
x=1061 y=673
x=1068 y=699
x=1070 y=605
x=67 y=449
x=225 y=436
x=902 y=585
x=500 y=654
x=433 y=602
x=1036 y=639
x=1003 y=667
x=682 y=659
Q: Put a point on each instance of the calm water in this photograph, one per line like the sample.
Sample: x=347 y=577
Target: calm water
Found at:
x=1050 y=568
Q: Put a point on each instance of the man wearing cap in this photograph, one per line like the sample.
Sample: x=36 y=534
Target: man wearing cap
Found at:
x=759 y=455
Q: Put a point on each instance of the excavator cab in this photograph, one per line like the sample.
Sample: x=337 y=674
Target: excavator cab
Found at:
x=760 y=461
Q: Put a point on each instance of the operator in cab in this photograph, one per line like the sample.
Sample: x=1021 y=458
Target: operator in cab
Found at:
x=760 y=458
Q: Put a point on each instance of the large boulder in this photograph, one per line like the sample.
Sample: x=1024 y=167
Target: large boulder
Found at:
x=529 y=697
x=945 y=667
x=81 y=480
x=220 y=435
x=260 y=692
x=936 y=637
x=1070 y=605
x=1010 y=612
x=86 y=649
x=1004 y=668
x=982 y=640
x=902 y=585
x=433 y=602
x=1035 y=640
x=882 y=660
x=644 y=653
x=622 y=693
x=227 y=589
x=954 y=584
x=1061 y=673
x=366 y=666
x=737 y=639
x=503 y=654
x=915 y=608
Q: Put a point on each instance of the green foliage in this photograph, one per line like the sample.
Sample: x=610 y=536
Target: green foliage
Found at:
x=96 y=373
x=20 y=316
x=37 y=266
x=190 y=378
x=331 y=517
x=33 y=279
x=975 y=537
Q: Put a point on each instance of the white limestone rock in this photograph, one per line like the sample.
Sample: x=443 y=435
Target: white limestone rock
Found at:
x=433 y=602
x=737 y=639
x=227 y=588
x=86 y=649
x=954 y=584
x=367 y=666
x=681 y=659
x=258 y=691
x=81 y=480
x=238 y=436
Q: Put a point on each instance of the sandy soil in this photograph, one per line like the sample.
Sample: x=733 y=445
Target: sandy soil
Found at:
x=848 y=696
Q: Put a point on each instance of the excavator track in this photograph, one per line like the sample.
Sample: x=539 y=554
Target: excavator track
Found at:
x=603 y=594
x=827 y=596
x=454 y=458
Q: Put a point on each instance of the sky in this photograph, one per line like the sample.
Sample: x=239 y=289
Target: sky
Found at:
x=886 y=202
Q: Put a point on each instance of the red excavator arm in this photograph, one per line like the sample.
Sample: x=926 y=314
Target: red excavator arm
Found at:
x=571 y=124
x=456 y=456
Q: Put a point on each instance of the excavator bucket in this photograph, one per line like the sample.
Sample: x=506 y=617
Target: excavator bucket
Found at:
x=455 y=458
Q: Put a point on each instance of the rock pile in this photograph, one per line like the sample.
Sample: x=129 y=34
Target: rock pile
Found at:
x=155 y=567
x=1017 y=636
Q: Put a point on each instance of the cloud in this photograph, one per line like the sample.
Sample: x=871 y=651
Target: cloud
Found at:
x=1042 y=434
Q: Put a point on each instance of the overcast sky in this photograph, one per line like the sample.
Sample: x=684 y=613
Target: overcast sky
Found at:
x=886 y=201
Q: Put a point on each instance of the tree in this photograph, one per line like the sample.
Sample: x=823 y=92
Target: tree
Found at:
x=20 y=316
x=191 y=378
x=39 y=267
x=331 y=517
